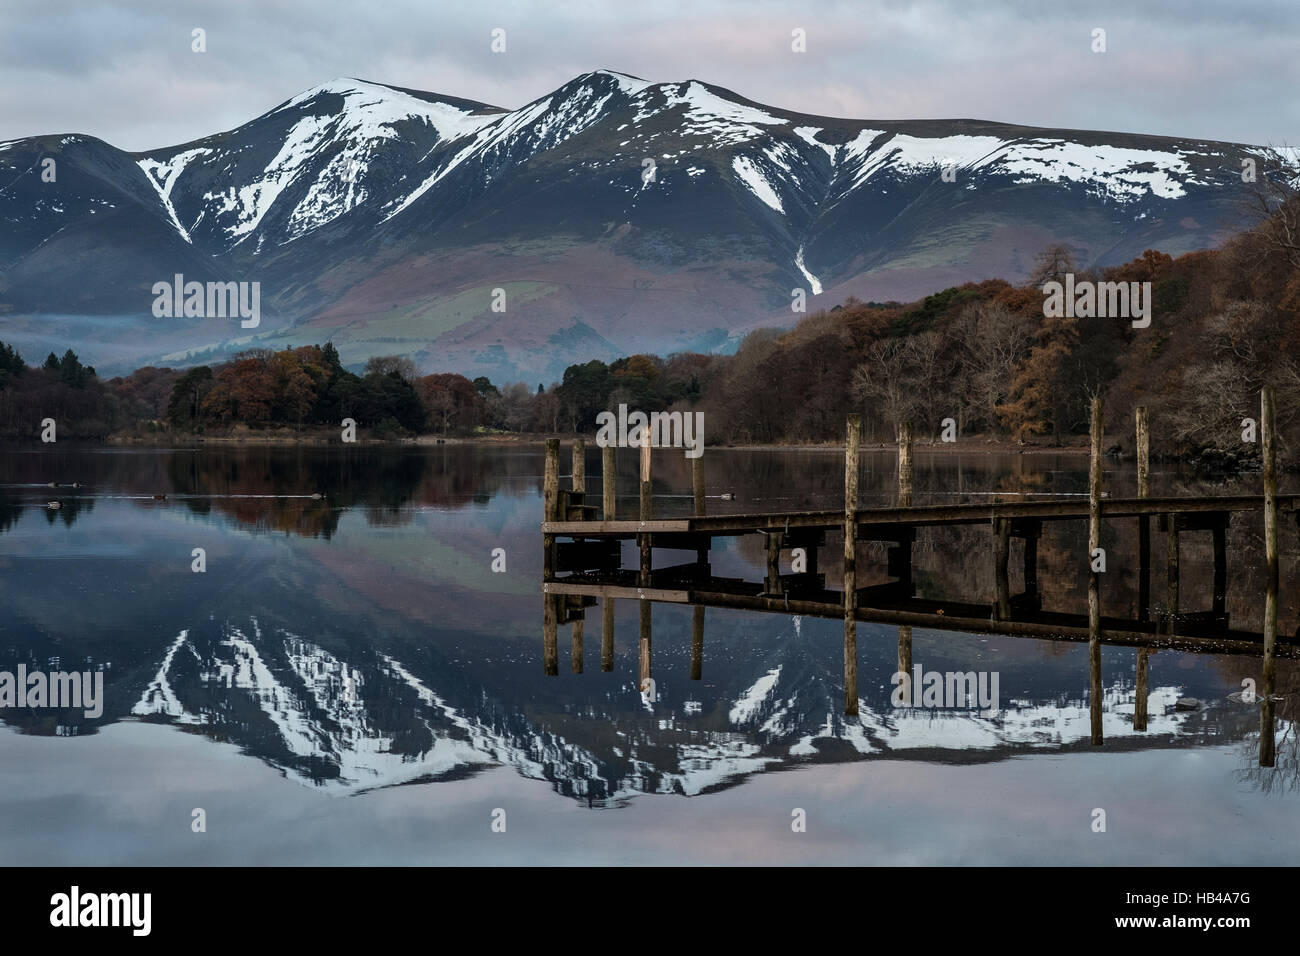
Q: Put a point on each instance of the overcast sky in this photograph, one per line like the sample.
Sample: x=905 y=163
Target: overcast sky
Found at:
x=124 y=71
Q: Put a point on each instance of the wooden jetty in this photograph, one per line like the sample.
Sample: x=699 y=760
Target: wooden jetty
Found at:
x=585 y=543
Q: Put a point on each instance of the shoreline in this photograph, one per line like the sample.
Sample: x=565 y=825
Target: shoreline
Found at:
x=973 y=445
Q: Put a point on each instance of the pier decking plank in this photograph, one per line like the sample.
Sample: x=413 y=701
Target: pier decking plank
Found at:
x=924 y=515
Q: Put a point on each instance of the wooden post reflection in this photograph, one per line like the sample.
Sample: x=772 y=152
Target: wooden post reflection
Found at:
x=773 y=582
x=607 y=635
x=550 y=636
x=1142 y=693
x=697 y=642
x=575 y=641
x=644 y=672
x=905 y=651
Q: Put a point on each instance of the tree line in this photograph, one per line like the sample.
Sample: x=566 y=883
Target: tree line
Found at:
x=984 y=354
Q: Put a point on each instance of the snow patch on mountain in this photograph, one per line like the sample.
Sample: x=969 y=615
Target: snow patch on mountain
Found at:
x=250 y=203
x=371 y=111
x=747 y=706
x=158 y=697
x=1120 y=173
x=814 y=283
x=913 y=154
x=809 y=135
x=163 y=175
x=713 y=764
x=707 y=113
x=756 y=182
x=626 y=82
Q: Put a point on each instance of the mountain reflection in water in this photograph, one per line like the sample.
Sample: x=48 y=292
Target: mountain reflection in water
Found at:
x=361 y=640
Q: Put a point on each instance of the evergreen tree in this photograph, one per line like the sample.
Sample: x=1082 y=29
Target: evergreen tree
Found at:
x=184 y=410
x=71 y=372
x=11 y=364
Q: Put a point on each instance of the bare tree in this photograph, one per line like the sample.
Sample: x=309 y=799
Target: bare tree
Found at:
x=1274 y=200
x=1052 y=264
x=517 y=400
x=992 y=341
x=901 y=379
x=387 y=364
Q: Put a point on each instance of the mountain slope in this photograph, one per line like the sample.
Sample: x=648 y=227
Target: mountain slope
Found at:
x=392 y=220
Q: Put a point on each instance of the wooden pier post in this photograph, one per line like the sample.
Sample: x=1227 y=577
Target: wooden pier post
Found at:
x=579 y=466
x=1001 y=558
x=550 y=502
x=1144 y=522
x=901 y=554
x=646 y=511
x=697 y=485
x=905 y=473
x=697 y=492
x=1144 y=564
x=1094 y=577
x=1219 y=600
x=609 y=506
x=697 y=642
x=607 y=635
x=1031 y=532
x=644 y=641
x=1268 y=435
x=1171 y=559
x=853 y=439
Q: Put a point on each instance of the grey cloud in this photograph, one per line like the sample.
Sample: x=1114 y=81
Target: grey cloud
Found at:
x=124 y=71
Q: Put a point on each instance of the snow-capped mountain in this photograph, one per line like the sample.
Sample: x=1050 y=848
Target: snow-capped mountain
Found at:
x=614 y=215
x=373 y=722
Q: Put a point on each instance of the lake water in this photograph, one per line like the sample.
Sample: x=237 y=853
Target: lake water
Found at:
x=349 y=681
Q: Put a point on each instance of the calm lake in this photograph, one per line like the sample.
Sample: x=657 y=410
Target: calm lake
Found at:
x=349 y=681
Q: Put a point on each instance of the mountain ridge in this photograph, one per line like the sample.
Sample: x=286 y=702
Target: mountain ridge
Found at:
x=387 y=219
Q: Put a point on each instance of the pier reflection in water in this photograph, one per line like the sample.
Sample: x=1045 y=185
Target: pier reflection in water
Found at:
x=589 y=567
